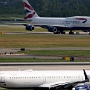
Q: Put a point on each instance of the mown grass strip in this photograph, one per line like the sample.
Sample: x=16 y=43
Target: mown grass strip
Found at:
x=37 y=60
x=58 y=52
x=18 y=28
x=40 y=40
x=43 y=41
x=27 y=60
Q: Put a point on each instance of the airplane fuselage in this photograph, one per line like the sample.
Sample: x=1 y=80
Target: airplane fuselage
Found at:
x=55 y=25
x=36 y=79
x=69 y=23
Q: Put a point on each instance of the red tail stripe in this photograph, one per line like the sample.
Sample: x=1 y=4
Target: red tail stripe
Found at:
x=26 y=5
x=30 y=15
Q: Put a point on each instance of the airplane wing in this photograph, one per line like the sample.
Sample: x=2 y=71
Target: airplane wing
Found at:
x=52 y=25
x=25 y=23
x=65 y=84
x=57 y=26
x=62 y=26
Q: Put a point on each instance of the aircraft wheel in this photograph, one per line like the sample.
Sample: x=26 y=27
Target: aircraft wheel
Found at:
x=56 y=31
x=77 y=33
x=62 y=32
x=71 y=32
x=89 y=33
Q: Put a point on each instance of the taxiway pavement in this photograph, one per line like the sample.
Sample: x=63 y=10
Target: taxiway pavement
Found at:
x=8 y=50
x=32 y=32
x=45 y=63
x=43 y=67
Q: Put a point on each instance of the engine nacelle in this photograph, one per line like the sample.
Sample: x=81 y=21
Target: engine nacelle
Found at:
x=85 y=30
x=81 y=87
x=51 y=29
x=30 y=27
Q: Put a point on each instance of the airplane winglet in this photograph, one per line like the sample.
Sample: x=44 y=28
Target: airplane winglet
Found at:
x=86 y=77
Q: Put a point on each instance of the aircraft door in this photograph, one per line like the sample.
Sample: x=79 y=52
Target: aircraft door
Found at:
x=2 y=78
x=44 y=78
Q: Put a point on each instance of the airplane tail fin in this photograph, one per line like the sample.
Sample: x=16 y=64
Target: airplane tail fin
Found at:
x=86 y=77
x=30 y=12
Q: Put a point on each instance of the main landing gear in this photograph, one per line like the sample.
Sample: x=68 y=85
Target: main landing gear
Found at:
x=62 y=32
x=71 y=32
x=89 y=32
x=56 y=31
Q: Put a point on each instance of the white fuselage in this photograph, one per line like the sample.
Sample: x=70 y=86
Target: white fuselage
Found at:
x=56 y=25
x=33 y=79
x=47 y=21
x=70 y=22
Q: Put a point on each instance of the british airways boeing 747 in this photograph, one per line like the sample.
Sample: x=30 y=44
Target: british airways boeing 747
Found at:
x=55 y=25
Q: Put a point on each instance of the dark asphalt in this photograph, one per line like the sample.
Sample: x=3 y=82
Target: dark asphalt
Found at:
x=45 y=63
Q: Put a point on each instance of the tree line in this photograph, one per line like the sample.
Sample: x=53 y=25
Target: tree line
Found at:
x=46 y=8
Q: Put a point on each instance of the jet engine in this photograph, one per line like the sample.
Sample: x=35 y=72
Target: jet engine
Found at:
x=51 y=29
x=81 y=87
x=85 y=30
x=29 y=27
x=54 y=30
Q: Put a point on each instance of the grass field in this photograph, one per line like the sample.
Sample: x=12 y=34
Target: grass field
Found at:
x=43 y=41
x=58 y=52
x=28 y=60
x=37 y=60
x=18 y=28
x=40 y=40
